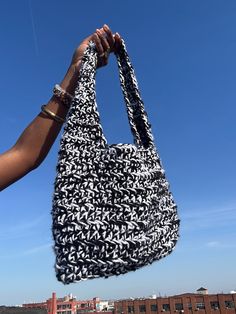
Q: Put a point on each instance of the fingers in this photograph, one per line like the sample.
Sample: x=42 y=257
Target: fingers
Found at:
x=103 y=48
x=97 y=41
x=108 y=42
x=105 y=43
x=109 y=36
x=103 y=40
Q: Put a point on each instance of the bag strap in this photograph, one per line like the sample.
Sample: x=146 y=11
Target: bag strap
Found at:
x=137 y=115
x=83 y=124
x=84 y=112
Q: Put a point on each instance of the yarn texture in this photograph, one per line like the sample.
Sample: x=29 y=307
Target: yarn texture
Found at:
x=112 y=210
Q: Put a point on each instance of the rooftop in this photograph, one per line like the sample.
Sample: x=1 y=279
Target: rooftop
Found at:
x=20 y=310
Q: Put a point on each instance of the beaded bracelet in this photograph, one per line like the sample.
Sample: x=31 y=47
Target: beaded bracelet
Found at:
x=52 y=114
x=64 y=97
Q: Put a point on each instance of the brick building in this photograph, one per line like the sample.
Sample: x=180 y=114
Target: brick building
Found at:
x=188 y=303
x=20 y=310
x=68 y=305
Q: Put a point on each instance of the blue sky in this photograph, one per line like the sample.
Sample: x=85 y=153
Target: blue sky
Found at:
x=184 y=56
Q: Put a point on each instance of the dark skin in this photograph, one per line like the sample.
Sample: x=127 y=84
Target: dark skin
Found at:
x=34 y=143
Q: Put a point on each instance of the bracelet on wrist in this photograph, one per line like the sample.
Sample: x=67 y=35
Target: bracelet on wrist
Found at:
x=62 y=95
x=51 y=114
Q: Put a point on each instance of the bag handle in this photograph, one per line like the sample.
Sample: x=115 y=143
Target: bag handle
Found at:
x=137 y=115
x=84 y=113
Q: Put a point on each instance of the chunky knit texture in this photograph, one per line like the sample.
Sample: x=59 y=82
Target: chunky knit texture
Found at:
x=112 y=208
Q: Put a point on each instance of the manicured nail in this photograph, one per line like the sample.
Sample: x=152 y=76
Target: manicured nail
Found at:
x=99 y=32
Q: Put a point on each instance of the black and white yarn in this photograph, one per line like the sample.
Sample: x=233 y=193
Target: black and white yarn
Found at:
x=112 y=208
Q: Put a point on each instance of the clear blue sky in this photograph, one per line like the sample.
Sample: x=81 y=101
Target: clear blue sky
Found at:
x=184 y=54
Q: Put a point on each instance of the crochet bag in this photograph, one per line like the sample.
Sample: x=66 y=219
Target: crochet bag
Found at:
x=112 y=208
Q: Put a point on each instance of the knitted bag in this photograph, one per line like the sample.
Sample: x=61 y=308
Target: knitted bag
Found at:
x=112 y=209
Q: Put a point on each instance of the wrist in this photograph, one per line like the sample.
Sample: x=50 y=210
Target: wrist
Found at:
x=65 y=97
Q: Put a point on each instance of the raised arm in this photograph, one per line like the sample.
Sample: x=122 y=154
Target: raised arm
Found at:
x=36 y=140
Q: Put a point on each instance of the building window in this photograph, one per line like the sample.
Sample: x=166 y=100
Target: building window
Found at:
x=179 y=306
x=165 y=307
x=153 y=307
x=142 y=308
x=189 y=306
x=215 y=305
x=130 y=309
x=229 y=304
x=119 y=309
x=200 y=306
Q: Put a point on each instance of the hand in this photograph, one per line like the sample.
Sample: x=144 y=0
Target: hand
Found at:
x=105 y=43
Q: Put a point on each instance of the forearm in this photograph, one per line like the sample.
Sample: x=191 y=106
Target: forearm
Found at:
x=40 y=135
x=36 y=140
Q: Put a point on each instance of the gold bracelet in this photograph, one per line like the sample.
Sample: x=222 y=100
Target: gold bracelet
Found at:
x=52 y=114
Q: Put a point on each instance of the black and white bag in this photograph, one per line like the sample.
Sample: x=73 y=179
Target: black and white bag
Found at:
x=112 y=208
